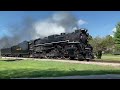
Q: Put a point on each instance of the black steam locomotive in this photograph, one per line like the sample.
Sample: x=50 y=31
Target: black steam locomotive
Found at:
x=65 y=46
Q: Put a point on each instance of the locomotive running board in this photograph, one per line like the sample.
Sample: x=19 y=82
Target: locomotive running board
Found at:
x=51 y=43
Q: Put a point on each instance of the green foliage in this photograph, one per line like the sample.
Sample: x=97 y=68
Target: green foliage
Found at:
x=102 y=43
x=109 y=41
x=117 y=38
x=90 y=37
x=96 y=43
x=109 y=44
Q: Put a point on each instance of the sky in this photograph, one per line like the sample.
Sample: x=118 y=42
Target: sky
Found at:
x=98 y=23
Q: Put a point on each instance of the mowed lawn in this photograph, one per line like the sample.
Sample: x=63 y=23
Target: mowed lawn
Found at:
x=32 y=68
x=110 y=57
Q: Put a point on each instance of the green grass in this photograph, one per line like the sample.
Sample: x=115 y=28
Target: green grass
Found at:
x=111 y=57
x=31 y=68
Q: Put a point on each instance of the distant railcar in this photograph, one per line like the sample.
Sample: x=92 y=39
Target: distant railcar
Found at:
x=20 y=50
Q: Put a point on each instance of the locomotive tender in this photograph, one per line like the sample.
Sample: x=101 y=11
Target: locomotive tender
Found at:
x=65 y=46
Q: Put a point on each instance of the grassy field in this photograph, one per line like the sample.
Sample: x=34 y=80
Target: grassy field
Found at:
x=110 y=57
x=32 y=68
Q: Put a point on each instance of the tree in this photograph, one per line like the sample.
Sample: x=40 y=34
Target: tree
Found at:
x=117 y=37
x=97 y=45
x=109 y=43
x=102 y=44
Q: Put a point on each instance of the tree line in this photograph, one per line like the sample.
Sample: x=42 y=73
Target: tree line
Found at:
x=108 y=44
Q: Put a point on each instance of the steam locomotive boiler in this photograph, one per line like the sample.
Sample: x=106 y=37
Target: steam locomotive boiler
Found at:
x=65 y=46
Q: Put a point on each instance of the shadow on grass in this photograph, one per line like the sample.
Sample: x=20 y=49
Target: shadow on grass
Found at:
x=32 y=73
x=9 y=60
